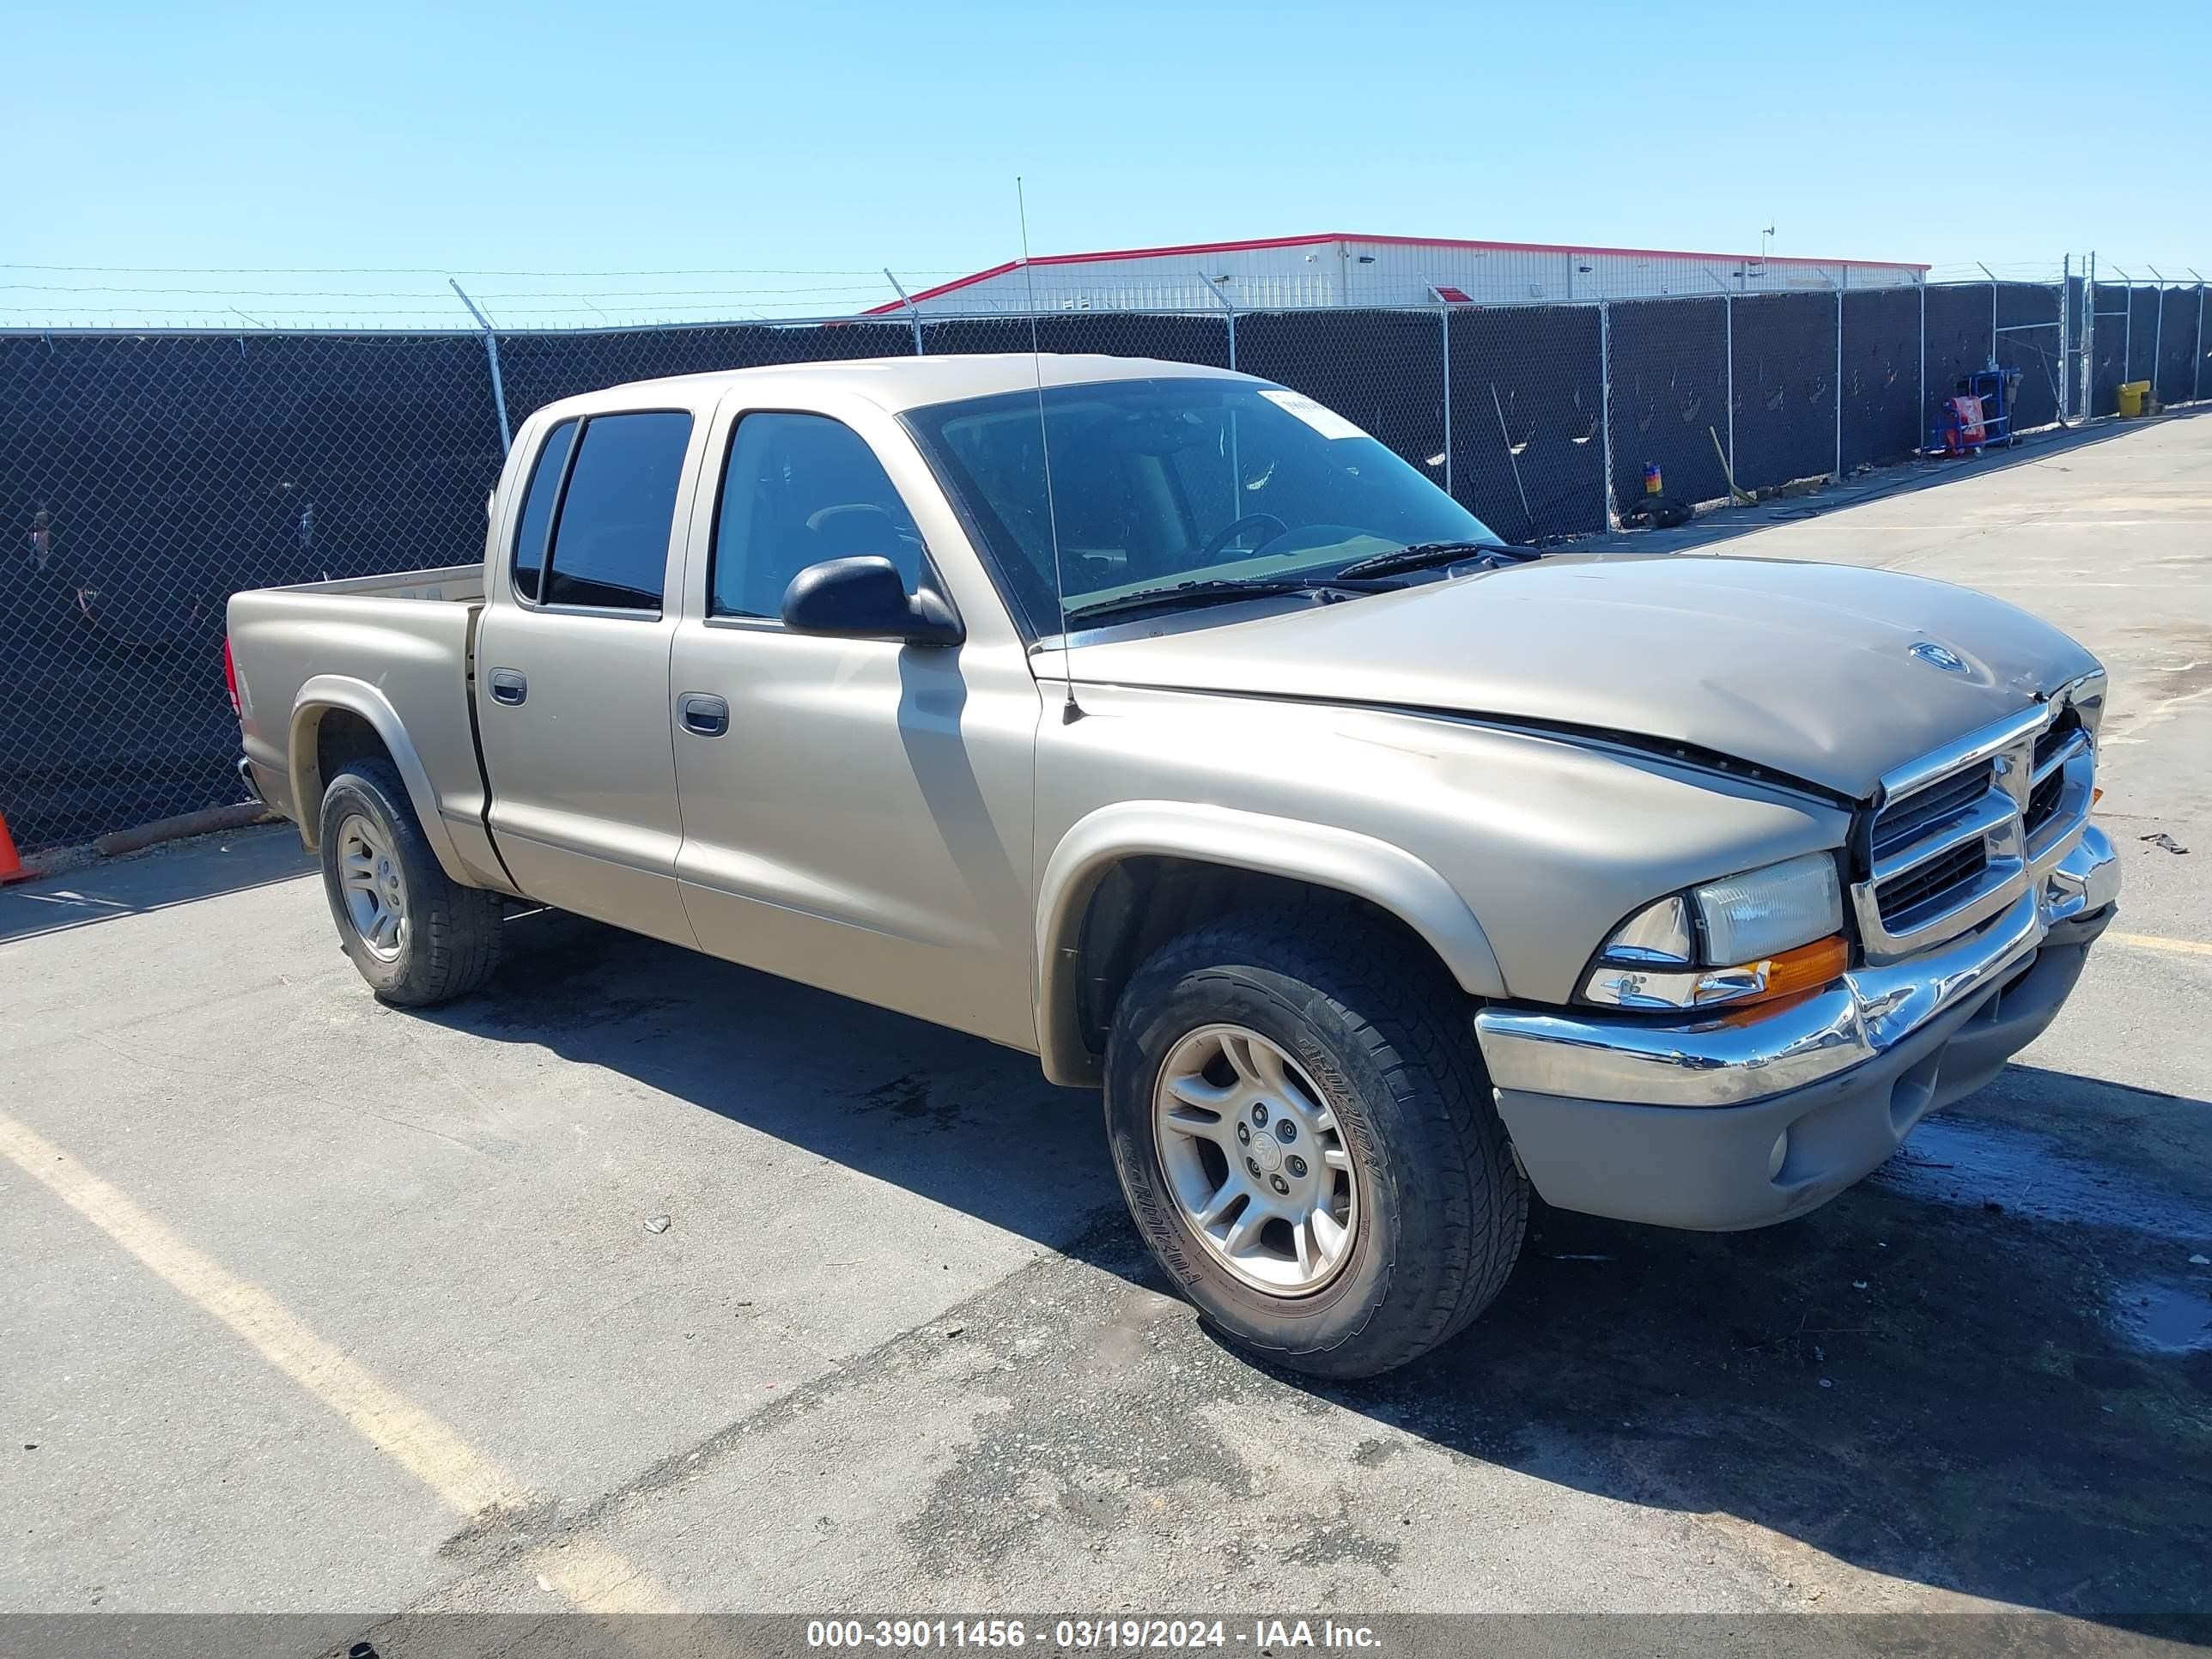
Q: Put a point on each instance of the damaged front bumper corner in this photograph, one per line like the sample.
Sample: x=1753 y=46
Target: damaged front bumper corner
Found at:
x=1739 y=1120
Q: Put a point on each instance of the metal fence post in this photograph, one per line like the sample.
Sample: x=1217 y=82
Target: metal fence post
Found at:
x=1727 y=314
x=2128 y=329
x=491 y=353
x=913 y=315
x=1231 y=309
x=1992 y=276
x=2089 y=338
x=2158 y=334
x=2197 y=377
x=1839 y=384
x=2065 y=295
x=1605 y=400
x=1443 y=316
x=1920 y=415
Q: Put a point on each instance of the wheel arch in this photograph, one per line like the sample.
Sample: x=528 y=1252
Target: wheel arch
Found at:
x=359 y=708
x=1219 y=857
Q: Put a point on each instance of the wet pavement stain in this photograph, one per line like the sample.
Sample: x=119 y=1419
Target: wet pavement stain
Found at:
x=1976 y=1163
x=2167 y=1316
x=908 y=1100
x=1997 y=1168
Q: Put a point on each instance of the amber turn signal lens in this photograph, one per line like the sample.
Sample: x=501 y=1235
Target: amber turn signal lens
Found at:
x=1808 y=968
x=2096 y=795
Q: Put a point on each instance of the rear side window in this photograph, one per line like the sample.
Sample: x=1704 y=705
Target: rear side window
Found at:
x=538 y=507
x=610 y=546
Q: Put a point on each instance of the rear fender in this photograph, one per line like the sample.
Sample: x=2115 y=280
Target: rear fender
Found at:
x=326 y=692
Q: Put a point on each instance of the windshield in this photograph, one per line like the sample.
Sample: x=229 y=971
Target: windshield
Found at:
x=1159 y=482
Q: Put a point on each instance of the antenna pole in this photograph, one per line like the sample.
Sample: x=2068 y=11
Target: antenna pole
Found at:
x=1069 y=714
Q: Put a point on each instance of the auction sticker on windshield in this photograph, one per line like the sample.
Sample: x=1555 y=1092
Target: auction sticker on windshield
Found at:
x=1321 y=419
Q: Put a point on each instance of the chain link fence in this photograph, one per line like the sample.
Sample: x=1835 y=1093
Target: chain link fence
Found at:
x=145 y=476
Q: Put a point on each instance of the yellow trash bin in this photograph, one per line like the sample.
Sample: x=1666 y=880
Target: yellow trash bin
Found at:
x=2135 y=397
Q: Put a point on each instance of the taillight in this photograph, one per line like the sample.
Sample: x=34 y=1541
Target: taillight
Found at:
x=230 y=678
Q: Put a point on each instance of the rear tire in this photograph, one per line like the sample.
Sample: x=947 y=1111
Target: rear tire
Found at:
x=418 y=936
x=1382 y=1061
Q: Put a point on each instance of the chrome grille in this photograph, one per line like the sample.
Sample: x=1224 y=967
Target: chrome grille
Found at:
x=1958 y=835
x=2055 y=753
x=2054 y=737
x=2043 y=801
x=1927 y=810
x=1926 y=887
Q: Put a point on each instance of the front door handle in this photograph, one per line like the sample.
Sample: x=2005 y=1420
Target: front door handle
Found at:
x=508 y=687
x=704 y=716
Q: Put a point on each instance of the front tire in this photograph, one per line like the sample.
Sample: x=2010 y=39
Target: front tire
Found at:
x=1387 y=1214
x=418 y=936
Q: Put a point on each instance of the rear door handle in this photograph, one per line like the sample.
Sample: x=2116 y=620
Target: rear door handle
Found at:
x=508 y=686
x=704 y=716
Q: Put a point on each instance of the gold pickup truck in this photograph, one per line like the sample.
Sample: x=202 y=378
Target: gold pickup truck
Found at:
x=1160 y=722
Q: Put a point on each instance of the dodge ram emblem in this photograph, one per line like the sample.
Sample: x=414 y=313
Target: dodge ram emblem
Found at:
x=1938 y=656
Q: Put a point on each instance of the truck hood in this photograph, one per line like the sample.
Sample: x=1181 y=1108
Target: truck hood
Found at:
x=1805 y=670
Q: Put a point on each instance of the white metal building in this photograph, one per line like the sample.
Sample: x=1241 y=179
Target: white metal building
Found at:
x=1287 y=272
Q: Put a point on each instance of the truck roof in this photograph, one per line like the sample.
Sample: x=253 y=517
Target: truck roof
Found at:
x=897 y=383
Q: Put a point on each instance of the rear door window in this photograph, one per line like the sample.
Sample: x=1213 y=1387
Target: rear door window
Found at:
x=609 y=550
x=538 y=507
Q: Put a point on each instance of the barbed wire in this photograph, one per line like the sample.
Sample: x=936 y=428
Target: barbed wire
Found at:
x=368 y=299
x=2050 y=272
x=53 y=295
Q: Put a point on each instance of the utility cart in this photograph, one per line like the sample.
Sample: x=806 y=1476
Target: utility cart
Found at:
x=1976 y=414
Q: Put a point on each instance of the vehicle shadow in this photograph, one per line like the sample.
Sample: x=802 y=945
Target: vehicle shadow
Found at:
x=1953 y=1375
x=949 y=1117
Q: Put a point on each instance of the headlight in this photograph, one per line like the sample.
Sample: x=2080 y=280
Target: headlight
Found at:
x=1770 y=910
x=1768 y=932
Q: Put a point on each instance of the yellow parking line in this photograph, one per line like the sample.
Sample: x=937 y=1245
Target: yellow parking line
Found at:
x=461 y=1477
x=2182 y=947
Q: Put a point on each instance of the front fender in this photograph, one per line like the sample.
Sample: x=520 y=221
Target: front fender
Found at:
x=1343 y=859
x=326 y=692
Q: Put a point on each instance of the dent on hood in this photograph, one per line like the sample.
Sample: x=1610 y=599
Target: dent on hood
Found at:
x=1801 y=673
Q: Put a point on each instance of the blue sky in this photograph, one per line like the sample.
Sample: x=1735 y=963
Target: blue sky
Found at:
x=755 y=141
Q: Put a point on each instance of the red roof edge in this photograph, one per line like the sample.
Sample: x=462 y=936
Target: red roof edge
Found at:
x=1387 y=241
x=945 y=287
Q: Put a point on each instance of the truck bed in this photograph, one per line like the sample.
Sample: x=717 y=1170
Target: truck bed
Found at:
x=395 y=651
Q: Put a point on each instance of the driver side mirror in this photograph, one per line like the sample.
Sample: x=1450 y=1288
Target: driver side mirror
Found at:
x=866 y=599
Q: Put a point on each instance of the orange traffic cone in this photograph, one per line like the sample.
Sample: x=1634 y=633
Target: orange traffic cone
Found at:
x=11 y=867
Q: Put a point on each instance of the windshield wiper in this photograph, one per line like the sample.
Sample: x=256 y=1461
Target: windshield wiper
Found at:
x=1215 y=591
x=1422 y=554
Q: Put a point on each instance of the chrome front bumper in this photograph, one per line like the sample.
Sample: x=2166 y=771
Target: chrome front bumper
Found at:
x=1729 y=1059
x=1745 y=1120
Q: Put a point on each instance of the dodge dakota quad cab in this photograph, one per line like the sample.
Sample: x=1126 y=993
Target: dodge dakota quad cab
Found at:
x=1160 y=722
